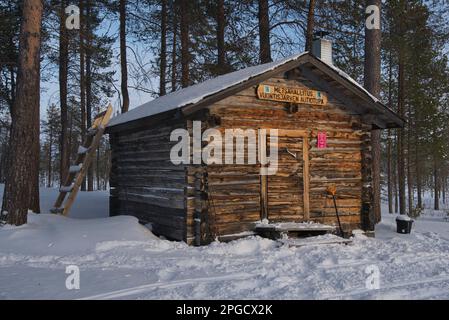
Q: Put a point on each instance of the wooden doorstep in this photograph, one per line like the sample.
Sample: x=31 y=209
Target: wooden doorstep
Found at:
x=286 y=227
x=312 y=241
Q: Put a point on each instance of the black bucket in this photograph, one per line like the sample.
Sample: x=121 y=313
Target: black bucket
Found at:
x=404 y=226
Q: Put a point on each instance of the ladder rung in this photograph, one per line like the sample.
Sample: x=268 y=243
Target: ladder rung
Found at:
x=82 y=150
x=66 y=189
x=75 y=169
x=92 y=132
x=100 y=115
x=57 y=210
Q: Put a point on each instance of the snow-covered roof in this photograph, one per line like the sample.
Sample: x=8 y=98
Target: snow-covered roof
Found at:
x=198 y=92
x=343 y=74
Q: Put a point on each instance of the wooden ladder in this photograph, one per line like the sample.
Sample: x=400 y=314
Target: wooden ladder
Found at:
x=78 y=171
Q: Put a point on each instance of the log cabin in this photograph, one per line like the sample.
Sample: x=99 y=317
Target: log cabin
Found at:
x=323 y=119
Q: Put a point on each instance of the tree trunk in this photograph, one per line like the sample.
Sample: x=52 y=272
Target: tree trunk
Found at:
x=418 y=171
x=185 y=55
x=389 y=139
x=310 y=25
x=13 y=86
x=63 y=74
x=123 y=59
x=395 y=184
x=163 y=54
x=23 y=138
x=34 y=162
x=373 y=40
x=50 y=145
x=98 y=168
x=221 y=24
x=389 y=175
x=71 y=129
x=443 y=190
x=436 y=204
x=401 y=111
x=88 y=51
x=264 y=32
x=401 y=142
x=3 y=160
x=174 y=61
x=409 y=170
x=82 y=78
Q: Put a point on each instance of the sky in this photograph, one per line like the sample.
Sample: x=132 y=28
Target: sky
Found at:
x=50 y=83
x=110 y=26
x=50 y=90
x=50 y=86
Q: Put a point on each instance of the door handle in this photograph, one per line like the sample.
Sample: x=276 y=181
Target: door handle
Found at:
x=294 y=155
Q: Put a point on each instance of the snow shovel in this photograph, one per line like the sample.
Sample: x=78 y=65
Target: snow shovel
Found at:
x=332 y=190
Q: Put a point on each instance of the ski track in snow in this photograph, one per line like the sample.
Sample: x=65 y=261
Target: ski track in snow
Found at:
x=119 y=259
x=145 y=288
x=385 y=289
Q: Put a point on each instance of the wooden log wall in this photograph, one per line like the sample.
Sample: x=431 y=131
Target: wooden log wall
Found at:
x=197 y=203
x=368 y=218
x=145 y=183
x=236 y=189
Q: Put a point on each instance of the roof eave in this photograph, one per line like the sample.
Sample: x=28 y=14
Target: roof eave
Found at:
x=393 y=119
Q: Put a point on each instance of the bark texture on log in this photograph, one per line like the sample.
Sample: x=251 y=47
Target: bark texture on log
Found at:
x=23 y=139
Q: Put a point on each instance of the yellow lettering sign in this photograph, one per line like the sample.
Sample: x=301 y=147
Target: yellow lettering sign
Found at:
x=291 y=94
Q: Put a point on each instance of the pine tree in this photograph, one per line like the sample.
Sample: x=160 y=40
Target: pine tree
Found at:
x=123 y=56
x=51 y=128
x=264 y=32
x=63 y=91
x=163 y=53
x=10 y=15
x=18 y=192
x=372 y=84
x=310 y=25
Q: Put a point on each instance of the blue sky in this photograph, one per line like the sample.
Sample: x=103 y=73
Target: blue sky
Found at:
x=50 y=87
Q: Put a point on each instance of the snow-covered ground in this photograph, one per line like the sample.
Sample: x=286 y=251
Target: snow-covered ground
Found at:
x=88 y=205
x=120 y=259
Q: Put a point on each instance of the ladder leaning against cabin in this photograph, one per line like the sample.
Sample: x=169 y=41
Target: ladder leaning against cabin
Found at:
x=78 y=171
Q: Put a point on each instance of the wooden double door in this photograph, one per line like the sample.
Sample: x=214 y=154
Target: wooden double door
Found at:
x=285 y=193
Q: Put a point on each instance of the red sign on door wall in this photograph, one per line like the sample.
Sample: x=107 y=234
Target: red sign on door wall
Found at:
x=322 y=140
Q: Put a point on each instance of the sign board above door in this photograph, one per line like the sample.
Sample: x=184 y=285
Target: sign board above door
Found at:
x=291 y=94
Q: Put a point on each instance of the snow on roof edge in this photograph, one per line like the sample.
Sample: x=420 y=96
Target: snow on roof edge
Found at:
x=198 y=92
x=358 y=85
x=350 y=79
